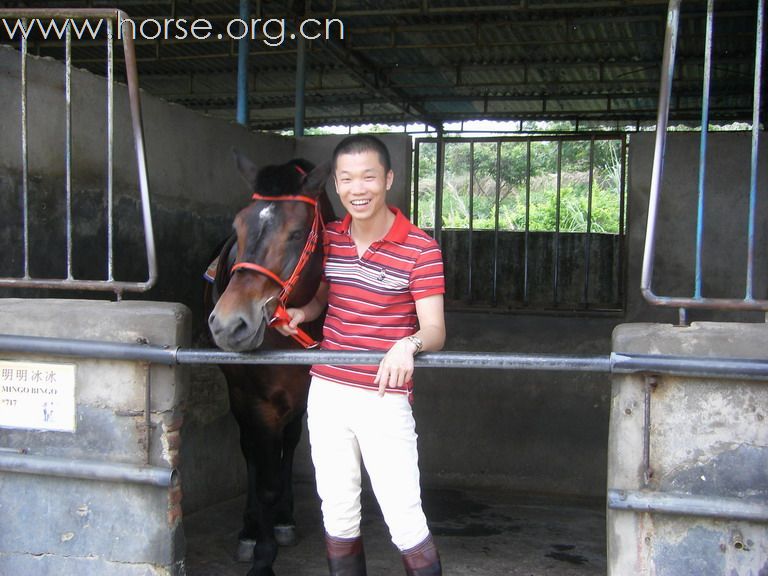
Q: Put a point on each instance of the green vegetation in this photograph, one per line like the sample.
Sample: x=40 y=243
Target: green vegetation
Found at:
x=501 y=167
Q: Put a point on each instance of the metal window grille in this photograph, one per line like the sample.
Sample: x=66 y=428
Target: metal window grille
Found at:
x=66 y=17
x=519 y=222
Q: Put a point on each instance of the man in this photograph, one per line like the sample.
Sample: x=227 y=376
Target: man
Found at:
x=383 y=287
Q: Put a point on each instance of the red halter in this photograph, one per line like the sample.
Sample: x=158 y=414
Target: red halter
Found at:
x=279 y=316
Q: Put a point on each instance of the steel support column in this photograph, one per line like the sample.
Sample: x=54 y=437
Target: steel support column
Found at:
x=243 y=46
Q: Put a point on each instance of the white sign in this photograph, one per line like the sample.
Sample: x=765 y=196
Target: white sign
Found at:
x=37 y=396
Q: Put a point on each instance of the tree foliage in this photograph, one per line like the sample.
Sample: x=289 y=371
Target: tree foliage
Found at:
x=514 y=170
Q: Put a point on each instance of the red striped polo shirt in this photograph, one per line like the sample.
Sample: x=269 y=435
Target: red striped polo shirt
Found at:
x=372 y=300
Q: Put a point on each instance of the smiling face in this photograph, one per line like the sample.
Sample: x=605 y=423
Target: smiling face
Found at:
x=362 y=183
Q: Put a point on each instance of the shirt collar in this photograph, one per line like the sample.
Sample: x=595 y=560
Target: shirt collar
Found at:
x=397 y=233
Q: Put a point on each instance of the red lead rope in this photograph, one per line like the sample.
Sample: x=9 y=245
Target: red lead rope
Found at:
x=280 y=316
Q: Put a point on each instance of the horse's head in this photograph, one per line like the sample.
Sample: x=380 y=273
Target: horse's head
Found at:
x=262 y=263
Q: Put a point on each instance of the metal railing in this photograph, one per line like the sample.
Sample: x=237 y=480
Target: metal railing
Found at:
x=665 y=92
x=111 y=17
x=615 y=363
x=21 y=462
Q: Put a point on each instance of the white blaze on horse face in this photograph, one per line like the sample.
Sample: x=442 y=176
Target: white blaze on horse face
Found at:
x=267 y=213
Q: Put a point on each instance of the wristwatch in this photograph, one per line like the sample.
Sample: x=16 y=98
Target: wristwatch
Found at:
x=416 y=341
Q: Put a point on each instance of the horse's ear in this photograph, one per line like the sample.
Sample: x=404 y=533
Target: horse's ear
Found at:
x=314 y=183
x=248 y=170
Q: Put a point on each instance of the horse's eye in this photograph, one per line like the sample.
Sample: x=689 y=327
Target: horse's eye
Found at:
x=296 y=235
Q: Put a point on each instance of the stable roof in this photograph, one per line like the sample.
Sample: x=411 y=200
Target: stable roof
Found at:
x=441 y=61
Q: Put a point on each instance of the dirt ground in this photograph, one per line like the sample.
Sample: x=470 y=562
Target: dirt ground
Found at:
x=478 y=532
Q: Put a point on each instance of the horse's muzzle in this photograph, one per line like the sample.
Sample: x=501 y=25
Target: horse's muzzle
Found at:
x=238 y=331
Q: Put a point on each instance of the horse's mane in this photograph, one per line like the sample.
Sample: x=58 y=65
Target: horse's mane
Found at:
x=280 y=179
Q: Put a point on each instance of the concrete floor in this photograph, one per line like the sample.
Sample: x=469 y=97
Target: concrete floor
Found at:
x=479 y=532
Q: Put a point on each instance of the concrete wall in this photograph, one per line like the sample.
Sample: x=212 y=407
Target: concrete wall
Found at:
x=725 y=223
x=707 y=442
x=90 y=527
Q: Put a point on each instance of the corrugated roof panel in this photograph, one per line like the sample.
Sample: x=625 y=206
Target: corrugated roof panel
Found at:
x=453 y=58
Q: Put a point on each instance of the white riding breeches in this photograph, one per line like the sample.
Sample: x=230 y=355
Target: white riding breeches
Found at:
x=348 y=426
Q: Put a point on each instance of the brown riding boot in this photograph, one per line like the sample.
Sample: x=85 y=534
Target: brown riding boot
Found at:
x=423 y=559
x=346 y=556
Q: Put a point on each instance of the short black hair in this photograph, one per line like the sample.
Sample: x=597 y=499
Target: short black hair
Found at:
x=359 y=143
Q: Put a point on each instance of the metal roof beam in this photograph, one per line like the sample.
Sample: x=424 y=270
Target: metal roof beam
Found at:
x=627 y=116
x=429 y=8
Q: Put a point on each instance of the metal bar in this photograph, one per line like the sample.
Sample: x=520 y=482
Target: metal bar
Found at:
x=706 y=303
x=281 y=121
x=497 y=209
x=527 y=219
x=90 y=285
x=87 y=348
x=132 y=78
x=471 y=259
x=147 y=367
x=616 y=363
x=110 y=150
x=587 y=240
x=750 y=509
x=68 y=146
x=650 y=386
x=301 y=79
x=439 y=178
x=242 y=67
x=416 y=154
x=756 y=99
x=703 y=147
x=328 y=9
x=427 y=360
x=556 y=238
x=87 y=469
x=622 y=206
x=500 y=8
x=606 y=90
x=665 y=92
x=24 y=156
x=726 y=368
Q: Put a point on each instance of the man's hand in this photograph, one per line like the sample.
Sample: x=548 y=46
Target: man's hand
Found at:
x=396 y=368
x=291 y=329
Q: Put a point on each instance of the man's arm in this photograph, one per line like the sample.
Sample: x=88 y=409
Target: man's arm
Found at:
x=431 y=316
x=310 y=311
x=396 y=368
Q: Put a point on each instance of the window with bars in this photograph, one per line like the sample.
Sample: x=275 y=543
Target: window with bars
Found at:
x=528 y=222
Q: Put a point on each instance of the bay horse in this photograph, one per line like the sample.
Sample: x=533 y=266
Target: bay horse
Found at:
x=272 y=259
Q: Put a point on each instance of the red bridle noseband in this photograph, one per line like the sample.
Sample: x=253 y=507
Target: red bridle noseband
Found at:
x=279 y=316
